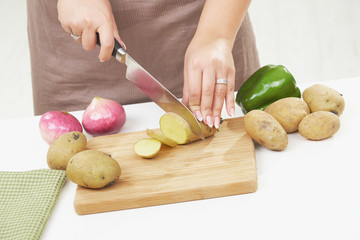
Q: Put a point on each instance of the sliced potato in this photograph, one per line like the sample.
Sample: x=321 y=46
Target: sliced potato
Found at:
x=147 y=147
x=176 y=128
x=319 y=125
x=157 y=134
x=208 y=132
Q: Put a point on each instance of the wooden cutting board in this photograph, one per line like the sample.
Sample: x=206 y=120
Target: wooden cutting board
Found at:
x=221 y=165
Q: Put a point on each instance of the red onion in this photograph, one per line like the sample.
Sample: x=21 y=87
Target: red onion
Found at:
x=103 y=116
x=55 y=123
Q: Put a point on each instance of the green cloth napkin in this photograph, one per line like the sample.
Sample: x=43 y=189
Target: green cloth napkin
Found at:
x=26 y=201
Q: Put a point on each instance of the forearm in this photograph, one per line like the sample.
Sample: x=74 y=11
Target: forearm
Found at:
x=222 y=19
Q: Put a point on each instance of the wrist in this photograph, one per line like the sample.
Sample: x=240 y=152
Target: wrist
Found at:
x=222 y=19
x=210 y=37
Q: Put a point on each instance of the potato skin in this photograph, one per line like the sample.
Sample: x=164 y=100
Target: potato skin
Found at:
x=63 y=148
x=93 y=169
x=319 y=125
x=266 y=130
x=288 y=112
x=208 y=132
x=322 y=98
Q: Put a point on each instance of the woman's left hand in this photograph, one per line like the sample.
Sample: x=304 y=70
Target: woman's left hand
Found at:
x=206 y=61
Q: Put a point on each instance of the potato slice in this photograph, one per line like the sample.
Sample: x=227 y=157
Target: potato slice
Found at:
x=157 y=134
x=147 y=147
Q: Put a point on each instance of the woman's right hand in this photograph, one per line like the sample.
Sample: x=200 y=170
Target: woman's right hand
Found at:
x=86 y=17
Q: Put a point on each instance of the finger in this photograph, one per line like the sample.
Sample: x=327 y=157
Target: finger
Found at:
x=76 y=37
x=194 y=91
x=218 y=102
x=207 y=95
x=89 y=36
x=88 y=39
x=76 y=31
x=117 y=35
x=76 y=34
x=106 y=35
x=67 y=28
x=64 y=23
x=230 y=98
x=185 y=93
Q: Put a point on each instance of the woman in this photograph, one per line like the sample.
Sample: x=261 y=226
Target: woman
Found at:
x=200 y=50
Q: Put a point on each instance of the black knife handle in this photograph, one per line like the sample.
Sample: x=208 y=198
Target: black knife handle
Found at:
x=117 y=45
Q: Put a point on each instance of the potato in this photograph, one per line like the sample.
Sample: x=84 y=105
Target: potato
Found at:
x=208 y=132
x=288 y=112
x=266 y=130
x=176 y=128
x=63 y=148
x=319 y=125
x=322 y=98
x=93 y=169
x=157 y=134
x=147 y=147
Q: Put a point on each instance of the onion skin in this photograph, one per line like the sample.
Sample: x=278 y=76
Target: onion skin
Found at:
x=103 y=116
x=55 y=123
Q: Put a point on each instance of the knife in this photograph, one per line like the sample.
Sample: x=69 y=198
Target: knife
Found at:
x=153 y=88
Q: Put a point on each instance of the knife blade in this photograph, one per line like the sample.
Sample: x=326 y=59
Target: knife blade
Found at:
x=152 y=88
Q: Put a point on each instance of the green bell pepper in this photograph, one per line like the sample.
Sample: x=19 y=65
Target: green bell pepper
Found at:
x=267 y=85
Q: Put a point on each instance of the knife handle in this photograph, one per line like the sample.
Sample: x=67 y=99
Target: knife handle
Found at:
x=117 y=45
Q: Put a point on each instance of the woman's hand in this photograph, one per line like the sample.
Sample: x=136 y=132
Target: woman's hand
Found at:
x=207 y=60
x=86 y=17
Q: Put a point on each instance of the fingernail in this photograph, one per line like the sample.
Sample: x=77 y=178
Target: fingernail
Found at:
x=209 y=121
x=198 y=115
x=217 y=122
x=102 y=60
x=232 y=112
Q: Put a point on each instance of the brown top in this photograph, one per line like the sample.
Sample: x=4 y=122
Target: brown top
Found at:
x=156 y=33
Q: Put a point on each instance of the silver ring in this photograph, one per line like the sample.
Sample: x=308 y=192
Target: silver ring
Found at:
x=75 y=37
x=221 y=81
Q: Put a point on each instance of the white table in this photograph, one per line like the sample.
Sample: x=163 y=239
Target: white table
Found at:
x=311 y=190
